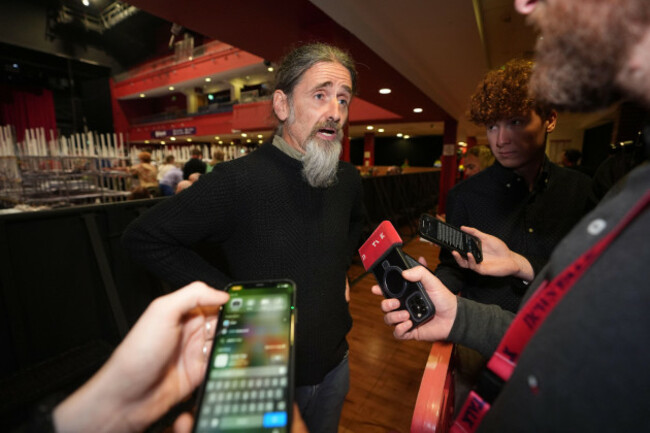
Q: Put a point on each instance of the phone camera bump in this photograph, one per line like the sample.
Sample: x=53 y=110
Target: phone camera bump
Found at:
x=417 y=306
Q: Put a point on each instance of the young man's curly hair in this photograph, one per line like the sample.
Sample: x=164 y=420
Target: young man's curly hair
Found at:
x=503 y=94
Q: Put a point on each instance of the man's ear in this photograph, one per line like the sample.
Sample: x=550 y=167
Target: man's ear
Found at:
x=551 y=121
x=281 y=105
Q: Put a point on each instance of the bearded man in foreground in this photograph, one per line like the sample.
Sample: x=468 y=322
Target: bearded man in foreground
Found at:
x=574 y=358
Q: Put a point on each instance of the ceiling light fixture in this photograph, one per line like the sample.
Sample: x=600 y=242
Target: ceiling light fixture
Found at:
x=406 y=137
x=85 y=2
x=385 y=91
x=370 y=127
x=208 y=79
x=380 y=130
x=171 y=88
x=417 y=110
x=399 y=134
x=142 y=95
x=172 y=138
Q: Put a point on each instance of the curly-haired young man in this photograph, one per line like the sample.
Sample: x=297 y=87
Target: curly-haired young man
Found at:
x=523 y=198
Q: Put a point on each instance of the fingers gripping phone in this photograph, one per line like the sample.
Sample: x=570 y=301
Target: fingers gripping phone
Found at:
x=382 y=254
x=449 y=237
x=249 y=380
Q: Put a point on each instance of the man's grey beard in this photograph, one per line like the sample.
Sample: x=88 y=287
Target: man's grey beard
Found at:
x=321 y=161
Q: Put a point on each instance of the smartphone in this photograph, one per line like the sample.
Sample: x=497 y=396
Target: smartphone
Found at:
x=382 y=254
x=449 y=237
x=248 y=385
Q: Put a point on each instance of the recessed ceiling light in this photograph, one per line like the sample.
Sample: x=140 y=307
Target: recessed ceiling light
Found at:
x=172 y=138
x=142 y=95
x=171 y=88
x=270 y=69
x=407 y=137
x=385 y=91
x=216 y=138
x=162 y=142
x=370 y=127
x=146 y=142
x=85 y=2
x=208 y=79
x=260 y=136
x=417 y=110
x=399 y=134
x=243 y=134
x=260 y=141
x=380 y=130
x=189 y=140
x=220 y=142
x=248 y=140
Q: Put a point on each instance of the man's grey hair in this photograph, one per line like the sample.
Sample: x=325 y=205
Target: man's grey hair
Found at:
x=299 y=60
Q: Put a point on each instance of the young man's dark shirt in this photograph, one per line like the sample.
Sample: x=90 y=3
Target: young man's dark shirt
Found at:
x=497 y=201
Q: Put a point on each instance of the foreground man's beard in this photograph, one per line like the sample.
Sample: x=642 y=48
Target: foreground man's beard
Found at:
x=321 y=160
x=572 y=83
x=580 y=55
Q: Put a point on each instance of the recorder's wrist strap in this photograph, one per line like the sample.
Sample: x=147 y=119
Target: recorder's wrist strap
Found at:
x=530 y=317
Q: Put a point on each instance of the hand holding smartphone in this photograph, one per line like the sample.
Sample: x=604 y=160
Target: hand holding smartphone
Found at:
x=249 y=380
x=382 y=254
x=449 y=237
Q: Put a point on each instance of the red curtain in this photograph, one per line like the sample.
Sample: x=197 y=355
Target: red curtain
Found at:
x=27 y=109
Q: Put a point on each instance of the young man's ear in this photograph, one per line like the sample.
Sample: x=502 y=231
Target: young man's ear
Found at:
x=551 y=121
x=281 y=105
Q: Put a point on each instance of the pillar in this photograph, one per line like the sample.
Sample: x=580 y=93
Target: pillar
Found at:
x=368 y=149
x=449 y=163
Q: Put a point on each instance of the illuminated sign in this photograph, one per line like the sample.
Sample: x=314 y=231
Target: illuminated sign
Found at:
x=173 y=132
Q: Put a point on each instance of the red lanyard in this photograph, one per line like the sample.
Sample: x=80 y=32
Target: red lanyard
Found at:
x=531 y=316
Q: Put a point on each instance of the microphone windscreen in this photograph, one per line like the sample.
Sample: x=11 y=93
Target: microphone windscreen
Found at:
x=379 y=244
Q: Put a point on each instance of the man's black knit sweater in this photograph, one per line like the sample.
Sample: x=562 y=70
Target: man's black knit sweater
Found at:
x=270 y=223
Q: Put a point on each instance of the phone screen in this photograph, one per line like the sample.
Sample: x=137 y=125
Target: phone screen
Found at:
x=249 y=380
x=450 y=237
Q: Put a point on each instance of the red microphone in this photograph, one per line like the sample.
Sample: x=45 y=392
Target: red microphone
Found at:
x=382 y=254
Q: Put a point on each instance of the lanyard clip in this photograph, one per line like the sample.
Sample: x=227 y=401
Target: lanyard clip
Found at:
x=489 y=385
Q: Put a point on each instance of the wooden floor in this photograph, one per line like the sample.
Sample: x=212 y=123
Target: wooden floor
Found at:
x=385 y=373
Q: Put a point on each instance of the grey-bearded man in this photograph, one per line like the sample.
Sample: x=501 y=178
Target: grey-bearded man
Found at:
x=290 y=209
